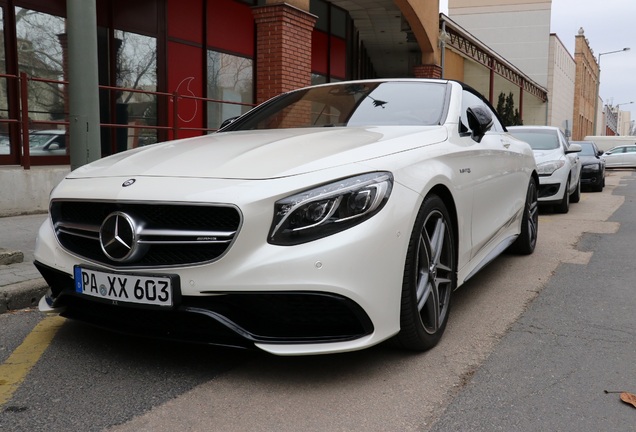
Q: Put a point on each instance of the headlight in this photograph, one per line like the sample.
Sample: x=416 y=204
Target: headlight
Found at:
x=592 y=167
x=330 y=208
x=547 y=168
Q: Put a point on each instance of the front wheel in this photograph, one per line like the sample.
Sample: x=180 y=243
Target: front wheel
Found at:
x=527 y=240
x=429 y=278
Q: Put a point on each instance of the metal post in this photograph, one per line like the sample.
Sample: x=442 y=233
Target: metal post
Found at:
x=24 y=116
x=85 y=146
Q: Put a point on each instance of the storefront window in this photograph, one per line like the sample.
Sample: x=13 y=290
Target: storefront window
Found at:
x=40 y=55
x=136 y=70
x=338 y=22
x=230 y=79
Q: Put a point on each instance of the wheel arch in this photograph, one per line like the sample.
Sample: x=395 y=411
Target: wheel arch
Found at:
x=446 y=195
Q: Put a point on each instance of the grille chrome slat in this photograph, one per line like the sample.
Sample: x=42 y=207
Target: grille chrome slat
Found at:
x=173 y=234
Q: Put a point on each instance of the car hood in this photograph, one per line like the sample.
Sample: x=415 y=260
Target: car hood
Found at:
x=262 y=154
x=547 y=155
x=586 y=160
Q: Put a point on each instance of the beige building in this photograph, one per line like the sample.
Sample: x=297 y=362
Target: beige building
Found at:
x=585 y=89
x=519 y=30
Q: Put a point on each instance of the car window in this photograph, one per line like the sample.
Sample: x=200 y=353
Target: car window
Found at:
x=587 y=149
x=539 y=139
x=352 y=104
x=616 y=150
x=60 y=140
x=470 y=99
x=630 y=149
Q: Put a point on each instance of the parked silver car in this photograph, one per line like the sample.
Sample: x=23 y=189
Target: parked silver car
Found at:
x=621 y=157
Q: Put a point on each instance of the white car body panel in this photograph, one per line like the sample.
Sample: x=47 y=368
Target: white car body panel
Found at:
x=251 y=170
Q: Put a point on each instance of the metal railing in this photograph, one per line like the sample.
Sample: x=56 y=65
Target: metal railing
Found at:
x=26 y=124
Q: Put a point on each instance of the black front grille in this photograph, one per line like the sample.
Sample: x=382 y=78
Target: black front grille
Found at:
x=172 y=234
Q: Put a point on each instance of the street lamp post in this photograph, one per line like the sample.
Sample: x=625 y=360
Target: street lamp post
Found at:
x=598 y=84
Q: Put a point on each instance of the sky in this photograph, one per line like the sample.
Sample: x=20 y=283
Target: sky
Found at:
x=609 y=25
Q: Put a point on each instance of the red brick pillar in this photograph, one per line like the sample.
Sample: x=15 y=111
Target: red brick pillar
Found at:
x=283 y=49
x=427 y=71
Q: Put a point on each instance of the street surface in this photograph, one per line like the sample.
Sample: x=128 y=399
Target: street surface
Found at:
x=531 y=344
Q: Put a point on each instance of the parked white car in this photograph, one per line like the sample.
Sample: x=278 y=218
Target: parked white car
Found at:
x=328 y=219
x=558 y=165
x=620 y=157
x=50 y=142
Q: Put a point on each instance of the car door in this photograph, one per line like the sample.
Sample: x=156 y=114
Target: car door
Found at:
x=615 y=157
x=630 y=156
x=499 y=181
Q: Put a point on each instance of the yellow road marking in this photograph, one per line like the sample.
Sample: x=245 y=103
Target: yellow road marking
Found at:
x=17 y=366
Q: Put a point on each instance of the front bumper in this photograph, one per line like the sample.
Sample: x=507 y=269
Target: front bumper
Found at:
x=233 y=319
x=552 y=188
x=591 y=177
x=339 y=293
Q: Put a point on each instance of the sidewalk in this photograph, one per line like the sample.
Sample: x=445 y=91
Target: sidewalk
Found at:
x=21 y=285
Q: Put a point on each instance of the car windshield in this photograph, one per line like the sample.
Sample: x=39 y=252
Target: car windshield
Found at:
x=357 y=104
x=38 y=140
x=538 y=139
x=587 y=149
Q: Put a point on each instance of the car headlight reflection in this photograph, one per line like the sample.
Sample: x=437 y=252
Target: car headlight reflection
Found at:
x=547 y=168
x=330 y=208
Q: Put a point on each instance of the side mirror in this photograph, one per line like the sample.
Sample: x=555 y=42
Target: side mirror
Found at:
x=53 y=146
x=228 y=121
x=480 y=121
x=574 y=148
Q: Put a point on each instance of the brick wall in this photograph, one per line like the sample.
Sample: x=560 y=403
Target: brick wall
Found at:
x=283 y=49
x=427 y=71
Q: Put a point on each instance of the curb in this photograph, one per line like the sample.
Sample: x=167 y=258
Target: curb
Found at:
x=22 y=295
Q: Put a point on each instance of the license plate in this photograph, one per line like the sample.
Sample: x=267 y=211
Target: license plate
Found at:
x=124 y=288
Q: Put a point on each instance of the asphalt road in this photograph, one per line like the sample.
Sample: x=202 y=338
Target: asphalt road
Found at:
x=576 y=340
x=531 y=344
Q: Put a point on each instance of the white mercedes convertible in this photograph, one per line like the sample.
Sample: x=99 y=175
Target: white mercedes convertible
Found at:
x=328 y=219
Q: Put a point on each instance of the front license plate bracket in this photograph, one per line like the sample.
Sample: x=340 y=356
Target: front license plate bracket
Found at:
x=129 y=289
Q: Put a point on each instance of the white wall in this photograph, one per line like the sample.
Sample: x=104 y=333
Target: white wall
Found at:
x=27 y=191
x=561 y=80
x=517 y=31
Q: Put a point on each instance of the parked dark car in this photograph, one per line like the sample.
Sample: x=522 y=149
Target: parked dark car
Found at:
x=592 y=166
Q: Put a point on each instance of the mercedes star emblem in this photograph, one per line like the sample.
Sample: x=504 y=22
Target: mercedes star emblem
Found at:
x=118 y=237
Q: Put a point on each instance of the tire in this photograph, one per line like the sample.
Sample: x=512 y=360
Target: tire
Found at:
x=564 y=205
x=600 y=187
x=576 y=195
x=430 y=276
x=527 y=240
